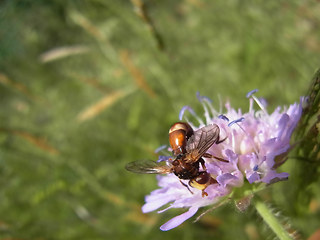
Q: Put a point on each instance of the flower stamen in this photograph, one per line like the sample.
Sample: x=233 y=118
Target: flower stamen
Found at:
x=252 y=96
x=190 y=110
x=236 y=121
x=206 y=102
x=223 y=117
x=161 y=148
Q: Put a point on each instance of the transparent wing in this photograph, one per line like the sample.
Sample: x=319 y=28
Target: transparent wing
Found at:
x=201 y=141
x=148 y=166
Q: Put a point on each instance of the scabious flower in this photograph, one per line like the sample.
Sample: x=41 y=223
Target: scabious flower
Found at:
x=254 y=142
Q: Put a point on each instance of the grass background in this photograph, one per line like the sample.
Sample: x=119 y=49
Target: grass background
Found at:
x=87 y=86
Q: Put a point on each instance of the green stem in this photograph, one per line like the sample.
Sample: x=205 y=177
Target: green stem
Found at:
x=272 y=221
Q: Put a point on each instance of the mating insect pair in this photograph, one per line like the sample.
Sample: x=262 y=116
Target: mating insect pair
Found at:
x=188 y=148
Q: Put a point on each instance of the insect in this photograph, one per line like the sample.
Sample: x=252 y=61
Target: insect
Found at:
x=188 y=148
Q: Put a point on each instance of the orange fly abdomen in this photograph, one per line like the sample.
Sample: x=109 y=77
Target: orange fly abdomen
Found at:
x=179 y=133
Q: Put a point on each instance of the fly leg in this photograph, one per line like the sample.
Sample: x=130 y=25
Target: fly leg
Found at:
x=208 y=155
x=186 y=186
x=201 y=161
x=204 y=194
x=220 y=141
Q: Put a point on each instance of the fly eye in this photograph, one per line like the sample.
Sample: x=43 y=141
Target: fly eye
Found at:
x=203 y=178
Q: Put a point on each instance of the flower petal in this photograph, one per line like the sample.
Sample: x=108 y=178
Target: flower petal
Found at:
x=176 y=221
x=226 y=178
x=253 y=177
x=273 y=177
x=150 y=206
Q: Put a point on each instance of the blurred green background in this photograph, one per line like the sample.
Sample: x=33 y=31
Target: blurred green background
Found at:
x=87 y=86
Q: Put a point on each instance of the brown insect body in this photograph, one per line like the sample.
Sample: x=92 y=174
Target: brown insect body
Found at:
x=188 y=148
x=179 y=133
x=185 y=170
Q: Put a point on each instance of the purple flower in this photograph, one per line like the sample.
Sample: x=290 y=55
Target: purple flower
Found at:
x=254 y=140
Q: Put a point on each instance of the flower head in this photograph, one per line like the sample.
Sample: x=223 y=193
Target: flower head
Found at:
x=253 y=141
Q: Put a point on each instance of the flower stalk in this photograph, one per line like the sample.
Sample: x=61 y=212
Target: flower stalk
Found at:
x=271 y=220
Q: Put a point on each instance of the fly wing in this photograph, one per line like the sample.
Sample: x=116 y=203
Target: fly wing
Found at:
x=201 y=141
x=148 y=166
